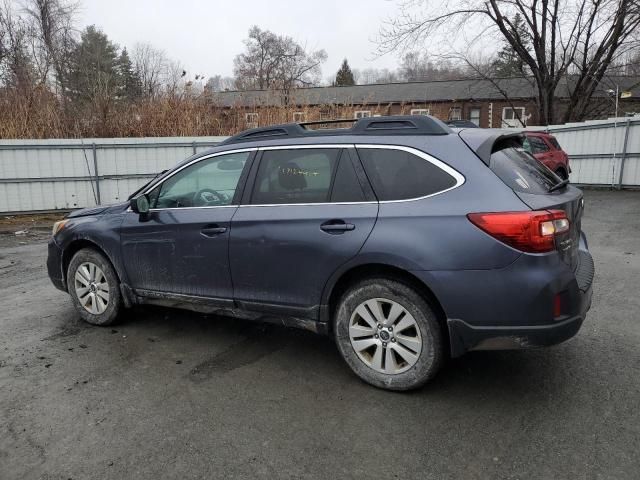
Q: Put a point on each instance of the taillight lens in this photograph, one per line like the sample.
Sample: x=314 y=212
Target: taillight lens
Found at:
x=532 y=232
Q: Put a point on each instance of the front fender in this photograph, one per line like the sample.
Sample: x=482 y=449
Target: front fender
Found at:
x=100 y=232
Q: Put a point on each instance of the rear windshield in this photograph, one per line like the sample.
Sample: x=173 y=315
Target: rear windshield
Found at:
x=521 y=171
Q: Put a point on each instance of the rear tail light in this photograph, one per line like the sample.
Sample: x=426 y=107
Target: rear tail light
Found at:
x=532 y=232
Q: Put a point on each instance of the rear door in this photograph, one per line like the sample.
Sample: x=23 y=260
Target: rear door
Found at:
x=308 y=211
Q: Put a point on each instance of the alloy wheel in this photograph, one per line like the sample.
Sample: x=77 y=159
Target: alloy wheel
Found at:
x=92 y=288
x=385 y=336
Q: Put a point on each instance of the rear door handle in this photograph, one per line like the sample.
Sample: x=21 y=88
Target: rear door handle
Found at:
x=337 y=226
x=212 y=230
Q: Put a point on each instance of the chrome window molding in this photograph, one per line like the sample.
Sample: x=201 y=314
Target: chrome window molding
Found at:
x=459 y=178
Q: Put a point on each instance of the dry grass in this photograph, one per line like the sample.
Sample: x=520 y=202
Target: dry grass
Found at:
x=38 y=113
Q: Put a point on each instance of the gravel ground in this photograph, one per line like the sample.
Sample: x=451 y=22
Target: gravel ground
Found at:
x=171 y=394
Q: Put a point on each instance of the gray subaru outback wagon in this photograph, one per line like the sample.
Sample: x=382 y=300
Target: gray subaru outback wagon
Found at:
x=405 y=240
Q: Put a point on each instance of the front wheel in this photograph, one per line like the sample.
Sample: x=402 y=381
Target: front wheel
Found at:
x=388 y=334
x=94 y=287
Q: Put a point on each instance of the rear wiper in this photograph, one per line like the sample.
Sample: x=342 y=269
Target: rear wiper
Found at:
x=146 y=184
x=558 y=186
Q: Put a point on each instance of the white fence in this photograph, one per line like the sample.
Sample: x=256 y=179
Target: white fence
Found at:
x=39 y=175
x=42 y=175
x=601 y=152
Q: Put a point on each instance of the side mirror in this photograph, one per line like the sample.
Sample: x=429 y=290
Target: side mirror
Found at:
x=140 y=204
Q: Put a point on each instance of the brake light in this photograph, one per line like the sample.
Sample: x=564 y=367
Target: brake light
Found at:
x=532 y=232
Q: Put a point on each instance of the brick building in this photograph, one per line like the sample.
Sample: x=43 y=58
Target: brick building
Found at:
x=499 y=103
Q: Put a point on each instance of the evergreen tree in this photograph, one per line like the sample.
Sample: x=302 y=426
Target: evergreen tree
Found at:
x=344 y=76
x=129 y=83
x=508 y=63
x=94 y=75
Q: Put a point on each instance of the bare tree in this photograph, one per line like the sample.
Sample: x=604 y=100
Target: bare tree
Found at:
x=52 y=37
x=569 y=43
x=370 y=76
x=151 y=65
x=419 y=66
x=16 y=68
x=276 y=62
x=218 y=83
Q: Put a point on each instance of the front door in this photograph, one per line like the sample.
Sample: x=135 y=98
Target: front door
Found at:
x=181 y=246
x=307 y=214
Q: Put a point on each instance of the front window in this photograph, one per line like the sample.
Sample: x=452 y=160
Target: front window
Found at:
x=208 y=183
x=419 y=111
x=362 y=114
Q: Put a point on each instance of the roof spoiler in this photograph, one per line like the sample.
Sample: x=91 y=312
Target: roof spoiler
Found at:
x=484 y=142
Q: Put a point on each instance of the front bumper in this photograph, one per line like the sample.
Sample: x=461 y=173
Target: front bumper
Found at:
x=464 y=336
x=54 y=265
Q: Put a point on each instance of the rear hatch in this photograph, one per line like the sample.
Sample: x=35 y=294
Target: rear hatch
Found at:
x=534 y=184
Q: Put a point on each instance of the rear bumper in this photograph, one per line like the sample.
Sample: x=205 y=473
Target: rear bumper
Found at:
x=529 y=332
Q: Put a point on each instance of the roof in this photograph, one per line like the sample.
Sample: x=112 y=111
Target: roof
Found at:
x=410 y=92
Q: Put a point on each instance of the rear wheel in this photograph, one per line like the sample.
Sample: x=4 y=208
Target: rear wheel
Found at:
x=94 y=287
x=388 y=334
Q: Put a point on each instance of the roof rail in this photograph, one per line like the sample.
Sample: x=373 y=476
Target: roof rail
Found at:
x=389 y=125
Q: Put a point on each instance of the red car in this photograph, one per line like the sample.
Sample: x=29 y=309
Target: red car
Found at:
x=547 y=150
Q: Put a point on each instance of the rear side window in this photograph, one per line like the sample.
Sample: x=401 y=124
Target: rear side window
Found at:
x=521 y=171
x=400 y=175
x=295 y=176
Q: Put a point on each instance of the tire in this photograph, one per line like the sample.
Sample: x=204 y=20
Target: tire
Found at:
x=423 y=338
x=95 y=304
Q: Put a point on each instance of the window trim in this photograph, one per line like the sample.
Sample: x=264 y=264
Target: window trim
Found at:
x=302 y=114
x=459 y=178
x=249 y=179
x=415 y=110
x=521 y=119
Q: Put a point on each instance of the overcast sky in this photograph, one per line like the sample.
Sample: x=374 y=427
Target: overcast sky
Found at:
x=205 y=35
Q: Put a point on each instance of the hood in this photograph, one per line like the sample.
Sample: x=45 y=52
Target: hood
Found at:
x=97 y=210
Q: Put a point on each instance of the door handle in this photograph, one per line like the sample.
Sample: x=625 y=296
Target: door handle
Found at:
x=212 y=230
x=337 y=226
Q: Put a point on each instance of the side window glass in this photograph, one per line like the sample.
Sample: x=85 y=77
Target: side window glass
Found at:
x=207 y=183
x=400 y=175
x=538 y=145
x=295 y=176
x=346 y=187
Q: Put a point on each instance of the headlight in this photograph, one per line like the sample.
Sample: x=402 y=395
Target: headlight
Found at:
x=59 y=226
